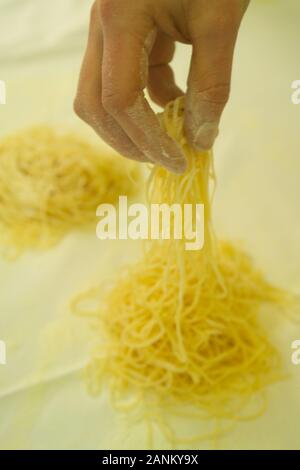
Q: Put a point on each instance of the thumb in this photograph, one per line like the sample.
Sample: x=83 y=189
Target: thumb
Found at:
x=208 y=85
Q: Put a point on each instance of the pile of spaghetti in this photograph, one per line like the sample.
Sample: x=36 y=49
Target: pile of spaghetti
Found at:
x=181 y=328
x=51 y=183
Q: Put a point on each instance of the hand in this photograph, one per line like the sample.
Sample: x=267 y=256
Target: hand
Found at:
x=131 y=44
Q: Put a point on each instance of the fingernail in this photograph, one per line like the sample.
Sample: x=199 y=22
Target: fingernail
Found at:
x=172 y=157
x=177 y=166
x=178 y=169
x=206 y=135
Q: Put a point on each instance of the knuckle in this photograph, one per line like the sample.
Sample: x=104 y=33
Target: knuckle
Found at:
x=79 y=108
x=116 y=101
x=90 y=113
x=216 y=95
x=85 y=110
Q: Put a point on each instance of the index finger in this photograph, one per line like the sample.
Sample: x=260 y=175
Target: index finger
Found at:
x=125 y=70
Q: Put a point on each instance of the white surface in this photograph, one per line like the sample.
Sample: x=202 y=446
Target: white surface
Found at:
x=43 y=403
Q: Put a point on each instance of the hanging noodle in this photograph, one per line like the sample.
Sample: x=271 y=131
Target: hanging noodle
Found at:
x=180 y=328
x=51 y=183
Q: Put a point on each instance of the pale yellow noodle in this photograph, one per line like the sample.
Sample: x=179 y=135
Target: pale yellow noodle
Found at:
x=52 y=183
x=183 y=326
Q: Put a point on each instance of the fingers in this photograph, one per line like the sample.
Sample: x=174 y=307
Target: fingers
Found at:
x=125 y=73
x=88 y=102
x=161 y=83
x=209 y=78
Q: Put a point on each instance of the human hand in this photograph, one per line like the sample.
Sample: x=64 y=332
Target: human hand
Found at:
x=130 y=47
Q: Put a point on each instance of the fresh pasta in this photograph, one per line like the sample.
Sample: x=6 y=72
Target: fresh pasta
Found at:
x=52 y=182
x=180 y=328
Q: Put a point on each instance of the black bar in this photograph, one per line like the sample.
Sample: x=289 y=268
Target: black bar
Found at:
x=135 y=458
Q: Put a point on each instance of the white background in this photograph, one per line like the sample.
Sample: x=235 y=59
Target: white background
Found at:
x=43 y=402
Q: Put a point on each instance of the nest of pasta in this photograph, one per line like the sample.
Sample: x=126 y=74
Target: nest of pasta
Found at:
x=182 y=328
x=52 y=183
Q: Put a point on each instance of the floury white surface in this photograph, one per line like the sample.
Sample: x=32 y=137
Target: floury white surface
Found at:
x=29 y=29
x=43 y=402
